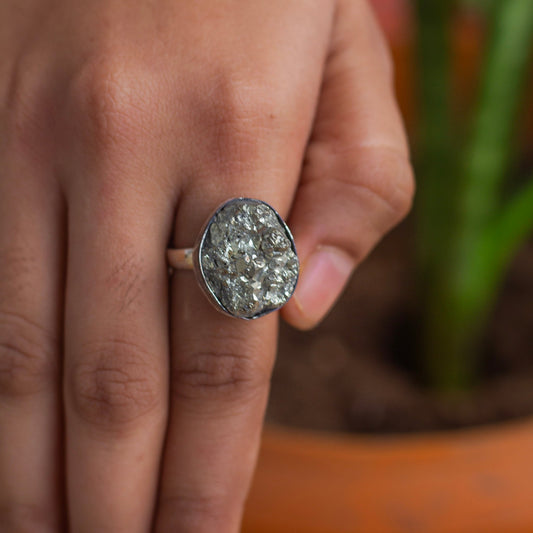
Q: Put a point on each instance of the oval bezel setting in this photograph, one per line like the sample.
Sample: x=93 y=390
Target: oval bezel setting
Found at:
x=247 y=259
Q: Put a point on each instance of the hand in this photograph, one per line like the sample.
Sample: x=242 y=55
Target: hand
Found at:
x=122 y=125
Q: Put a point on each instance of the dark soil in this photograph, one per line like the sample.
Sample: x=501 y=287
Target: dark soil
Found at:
x=350 y=374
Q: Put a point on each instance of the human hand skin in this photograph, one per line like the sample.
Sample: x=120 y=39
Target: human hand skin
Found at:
x=127 y=403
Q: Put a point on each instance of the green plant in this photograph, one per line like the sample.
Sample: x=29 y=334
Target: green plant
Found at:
x=469 y=229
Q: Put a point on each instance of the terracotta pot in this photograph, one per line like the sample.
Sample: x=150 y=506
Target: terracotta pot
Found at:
x=469 y=481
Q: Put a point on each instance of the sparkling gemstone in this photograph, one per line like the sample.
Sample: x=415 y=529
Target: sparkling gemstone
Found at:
x=247 y=258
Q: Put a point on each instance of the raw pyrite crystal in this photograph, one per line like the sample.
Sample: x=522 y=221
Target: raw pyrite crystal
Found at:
x=247 y=258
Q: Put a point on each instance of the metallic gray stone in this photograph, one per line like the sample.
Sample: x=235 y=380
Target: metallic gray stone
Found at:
x=247 y=258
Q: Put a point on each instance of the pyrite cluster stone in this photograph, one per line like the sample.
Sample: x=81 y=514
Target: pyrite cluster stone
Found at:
x=247 y=259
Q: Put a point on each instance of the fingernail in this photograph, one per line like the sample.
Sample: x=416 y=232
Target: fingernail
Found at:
x=322 y=279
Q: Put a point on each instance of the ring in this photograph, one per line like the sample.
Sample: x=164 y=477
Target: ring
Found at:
x=244 y=259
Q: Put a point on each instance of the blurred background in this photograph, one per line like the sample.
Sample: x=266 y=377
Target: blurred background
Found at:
x=378 y=363
x=408 y=409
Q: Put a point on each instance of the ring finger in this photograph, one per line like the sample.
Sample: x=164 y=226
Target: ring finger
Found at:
x=220 y=366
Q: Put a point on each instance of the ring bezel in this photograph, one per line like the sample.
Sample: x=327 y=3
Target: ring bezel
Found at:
x=197 y=263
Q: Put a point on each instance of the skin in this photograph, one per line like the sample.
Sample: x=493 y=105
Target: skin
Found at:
x=127 y=403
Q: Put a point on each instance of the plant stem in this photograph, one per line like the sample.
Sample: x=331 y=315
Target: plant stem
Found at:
x=435 y=132
x=475 y=255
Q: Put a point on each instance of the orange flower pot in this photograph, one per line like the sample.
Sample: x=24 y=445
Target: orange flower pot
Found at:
x=468 y=481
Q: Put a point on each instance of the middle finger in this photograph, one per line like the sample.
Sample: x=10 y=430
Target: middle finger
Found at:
x=116 y=316
x=115 y=363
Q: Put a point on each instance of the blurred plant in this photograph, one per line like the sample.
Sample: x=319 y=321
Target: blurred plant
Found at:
x=469 y=230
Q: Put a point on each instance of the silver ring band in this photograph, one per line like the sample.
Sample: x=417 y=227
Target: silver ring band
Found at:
x=180 y=258
x=244 y=259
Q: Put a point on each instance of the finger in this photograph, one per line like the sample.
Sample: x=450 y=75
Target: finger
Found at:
x=119 y=176
x=116 y=360
x=220 y=370
x=357 y=181
x=220 y=386
x=116 y=323
x=31 y=279
x=252 y=128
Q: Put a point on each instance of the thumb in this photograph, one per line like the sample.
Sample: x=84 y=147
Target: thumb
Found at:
x=356 y=180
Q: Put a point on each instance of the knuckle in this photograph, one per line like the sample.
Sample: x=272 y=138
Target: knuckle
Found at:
x=384 y=174
x=371 y=185
x=27 y=356
x=233 y=373
x=114 y=384
x=26 y=518
x=245 y=104
x=239 y=102
x=112 y=100
x=236 y=116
